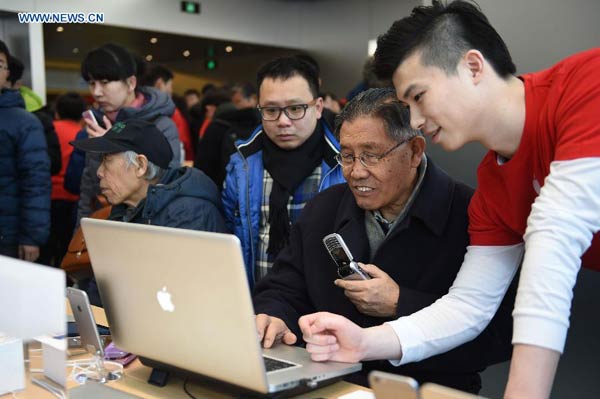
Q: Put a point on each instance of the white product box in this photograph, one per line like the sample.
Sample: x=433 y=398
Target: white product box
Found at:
x=12 y=368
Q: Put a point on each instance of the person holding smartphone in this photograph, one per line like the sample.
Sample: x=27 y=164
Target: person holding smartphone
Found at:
x=537 y=202
x=403 y=216
x=110 y=72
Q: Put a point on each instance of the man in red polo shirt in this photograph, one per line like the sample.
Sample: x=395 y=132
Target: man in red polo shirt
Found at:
x=537 y=202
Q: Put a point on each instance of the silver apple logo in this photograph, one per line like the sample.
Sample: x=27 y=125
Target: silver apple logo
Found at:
x=164 y=300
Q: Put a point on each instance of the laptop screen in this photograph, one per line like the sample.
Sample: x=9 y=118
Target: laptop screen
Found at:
x=179 y=297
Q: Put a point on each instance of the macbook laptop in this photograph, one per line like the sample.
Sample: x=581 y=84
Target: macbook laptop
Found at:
x=181 y=298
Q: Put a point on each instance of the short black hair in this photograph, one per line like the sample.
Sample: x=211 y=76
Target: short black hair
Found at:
x=310 y=59
x=110 y=62
x=442 y=34
x=208 y=87
x=246 y=89
x=155 y=72
x=286 y=67
x=140 y=67
x=216 y=97
x=70 y=106
x=190 y=92
x=180 y=104
x=4 y=50
x=16 y=69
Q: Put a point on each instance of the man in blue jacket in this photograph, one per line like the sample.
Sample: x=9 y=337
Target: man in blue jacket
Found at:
x=136 y=179
x=282 y=165
x=24 y=175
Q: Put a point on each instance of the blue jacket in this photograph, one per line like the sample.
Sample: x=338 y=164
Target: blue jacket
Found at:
x=158 y=109
x=242 y=192
x=25 y=183
x=184 y=198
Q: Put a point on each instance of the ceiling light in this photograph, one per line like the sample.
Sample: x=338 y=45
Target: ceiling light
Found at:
x=149 y=57
x=75 y=50
x=186 y=53
x=60 y=29
x=153 y=40
x=228 y=49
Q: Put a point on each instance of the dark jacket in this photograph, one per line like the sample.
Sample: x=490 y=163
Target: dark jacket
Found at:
x=25 y=184
x=52 y=144
x=75 y=166
x=184 y=198
x=328 y=117
x=422 y=254
x=157 y=109
x=213 y=151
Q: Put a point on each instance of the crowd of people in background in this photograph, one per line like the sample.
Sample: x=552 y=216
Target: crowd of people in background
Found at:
x=201 y=126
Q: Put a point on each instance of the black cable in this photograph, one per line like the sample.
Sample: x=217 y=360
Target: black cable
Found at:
x=185 y=388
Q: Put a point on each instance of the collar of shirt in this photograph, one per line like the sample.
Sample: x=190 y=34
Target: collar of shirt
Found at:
x=389 y=224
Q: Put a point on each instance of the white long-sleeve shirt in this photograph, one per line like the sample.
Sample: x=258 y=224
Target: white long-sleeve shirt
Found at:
x=559 y=229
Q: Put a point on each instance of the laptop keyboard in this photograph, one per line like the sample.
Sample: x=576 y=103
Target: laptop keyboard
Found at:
x=274 y=364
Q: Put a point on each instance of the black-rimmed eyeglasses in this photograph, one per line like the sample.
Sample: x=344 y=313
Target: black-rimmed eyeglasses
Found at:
x=293 y=112
x=366 y=159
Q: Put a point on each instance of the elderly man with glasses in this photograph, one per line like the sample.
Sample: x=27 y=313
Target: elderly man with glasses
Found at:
x=284 y=163
x=405 y=221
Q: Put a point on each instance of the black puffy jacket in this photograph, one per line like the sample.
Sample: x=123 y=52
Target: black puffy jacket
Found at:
x=25 y=183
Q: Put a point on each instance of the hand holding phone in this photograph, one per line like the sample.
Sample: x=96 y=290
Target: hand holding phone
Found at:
x=93 y=127
x=89 y=118
x=347 y=268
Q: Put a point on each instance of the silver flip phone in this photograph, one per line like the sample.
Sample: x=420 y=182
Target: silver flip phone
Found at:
x=347 y=268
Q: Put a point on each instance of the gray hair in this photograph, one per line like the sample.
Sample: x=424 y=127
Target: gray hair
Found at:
x=152 y=172
x=379 y=103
